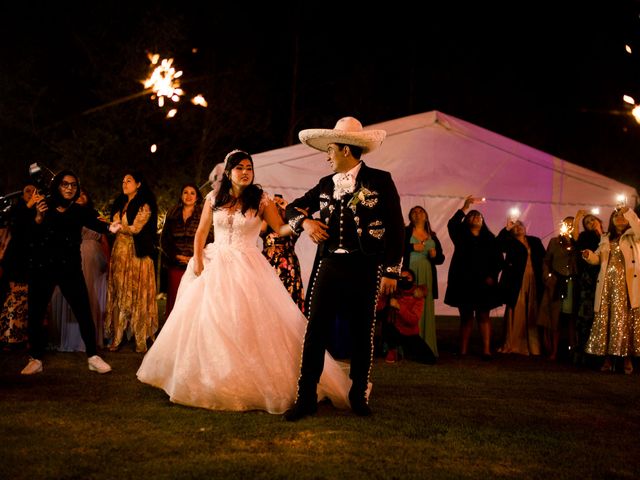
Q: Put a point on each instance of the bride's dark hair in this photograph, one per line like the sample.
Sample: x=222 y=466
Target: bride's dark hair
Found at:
x=250 y=196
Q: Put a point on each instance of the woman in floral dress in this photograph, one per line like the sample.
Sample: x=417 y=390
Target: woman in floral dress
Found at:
x=281 y=254
x=131 y=294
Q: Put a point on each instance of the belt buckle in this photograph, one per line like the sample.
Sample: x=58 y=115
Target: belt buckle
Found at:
x=340 y=250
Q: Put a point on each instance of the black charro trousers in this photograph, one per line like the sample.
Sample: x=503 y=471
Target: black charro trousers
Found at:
x=345 y=285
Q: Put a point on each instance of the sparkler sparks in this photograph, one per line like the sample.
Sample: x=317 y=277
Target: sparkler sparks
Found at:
x=199 y=100
x=565 y=230
x=163 y=80
x=635 y=112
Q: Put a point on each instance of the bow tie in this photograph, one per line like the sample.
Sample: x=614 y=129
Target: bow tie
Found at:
x=343 y=183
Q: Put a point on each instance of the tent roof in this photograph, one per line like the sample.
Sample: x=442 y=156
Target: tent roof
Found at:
x=437 y=155
x=436 y=160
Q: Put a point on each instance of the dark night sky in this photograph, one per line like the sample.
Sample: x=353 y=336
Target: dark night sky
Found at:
x=550 y=78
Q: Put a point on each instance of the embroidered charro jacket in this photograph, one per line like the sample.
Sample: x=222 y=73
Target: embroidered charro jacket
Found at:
x=368 y=220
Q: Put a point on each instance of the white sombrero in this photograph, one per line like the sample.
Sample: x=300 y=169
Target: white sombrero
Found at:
x=348 y=130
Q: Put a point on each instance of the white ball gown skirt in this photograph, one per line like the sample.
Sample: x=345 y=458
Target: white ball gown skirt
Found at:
x=234 y=339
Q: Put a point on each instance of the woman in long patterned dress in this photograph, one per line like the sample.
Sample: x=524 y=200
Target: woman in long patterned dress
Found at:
x=616 y=325
x=422 y=252
x=234 y=338
x=280 y=251
x=131 y=295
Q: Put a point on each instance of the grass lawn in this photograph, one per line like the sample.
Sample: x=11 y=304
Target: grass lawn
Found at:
x=514 y=417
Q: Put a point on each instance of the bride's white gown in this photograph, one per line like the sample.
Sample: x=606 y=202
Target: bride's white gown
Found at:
x=233 y=340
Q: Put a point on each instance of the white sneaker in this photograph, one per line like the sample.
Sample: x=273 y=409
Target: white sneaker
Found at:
x=34 y=366
x=96 y=364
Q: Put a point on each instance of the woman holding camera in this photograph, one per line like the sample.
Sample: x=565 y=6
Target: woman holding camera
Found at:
x=54 y=260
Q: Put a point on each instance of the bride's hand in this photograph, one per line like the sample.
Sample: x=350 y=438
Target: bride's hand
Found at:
x=198 y=266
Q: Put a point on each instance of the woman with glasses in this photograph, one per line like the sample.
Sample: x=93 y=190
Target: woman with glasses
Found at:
x=95 y=251
x=55 y=238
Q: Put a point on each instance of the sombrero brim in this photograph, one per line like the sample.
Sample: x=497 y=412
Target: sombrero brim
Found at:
x=320 y=138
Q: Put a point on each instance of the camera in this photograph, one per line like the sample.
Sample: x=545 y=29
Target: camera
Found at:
x=41 y=179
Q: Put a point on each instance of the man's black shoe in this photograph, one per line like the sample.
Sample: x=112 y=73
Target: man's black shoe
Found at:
x=300 y=410
x=360 y=407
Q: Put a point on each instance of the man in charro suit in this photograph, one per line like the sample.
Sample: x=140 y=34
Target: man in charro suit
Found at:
x=360 y=235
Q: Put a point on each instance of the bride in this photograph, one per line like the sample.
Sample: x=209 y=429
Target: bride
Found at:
x=233 y=340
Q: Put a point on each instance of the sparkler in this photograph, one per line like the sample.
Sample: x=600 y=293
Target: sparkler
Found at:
x=635 y=112
x=163 y=80
x=514 y=214
x=199 y=100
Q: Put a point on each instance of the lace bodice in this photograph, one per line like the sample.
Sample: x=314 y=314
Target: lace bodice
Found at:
x=233 y=229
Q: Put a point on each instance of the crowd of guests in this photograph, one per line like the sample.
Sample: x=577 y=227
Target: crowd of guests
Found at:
x=583 y=287
x=84 y=282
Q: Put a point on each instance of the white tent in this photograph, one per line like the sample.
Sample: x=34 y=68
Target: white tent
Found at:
x=436 y=160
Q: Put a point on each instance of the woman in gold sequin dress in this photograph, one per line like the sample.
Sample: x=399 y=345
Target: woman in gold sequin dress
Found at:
x=616 y=325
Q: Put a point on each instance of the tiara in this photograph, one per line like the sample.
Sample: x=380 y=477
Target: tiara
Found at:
x=232 y=152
